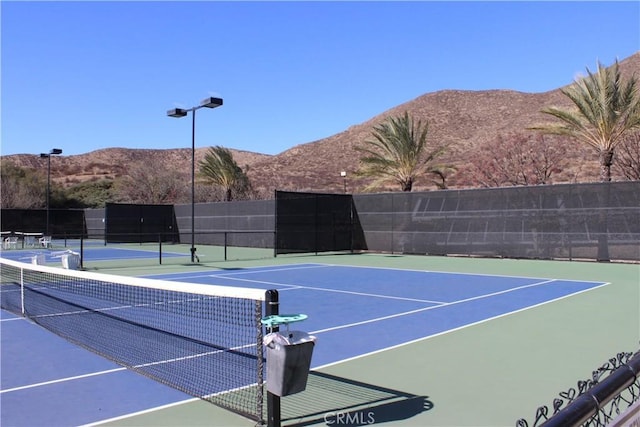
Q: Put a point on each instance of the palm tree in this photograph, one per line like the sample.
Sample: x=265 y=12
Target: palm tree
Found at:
x=397 y=152
x=606 y=109
x=219 y=168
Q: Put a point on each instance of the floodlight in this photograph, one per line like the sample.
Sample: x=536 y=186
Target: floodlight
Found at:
x=177 y=112
x=211 y=102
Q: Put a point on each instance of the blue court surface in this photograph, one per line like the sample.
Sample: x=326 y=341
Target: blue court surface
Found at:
x=353 y=311
x=91 y=254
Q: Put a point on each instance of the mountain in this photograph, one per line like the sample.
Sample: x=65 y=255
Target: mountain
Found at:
x=111 y=163
x=466 y=121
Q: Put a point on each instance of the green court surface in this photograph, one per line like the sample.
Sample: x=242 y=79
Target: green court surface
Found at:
x=490 y=373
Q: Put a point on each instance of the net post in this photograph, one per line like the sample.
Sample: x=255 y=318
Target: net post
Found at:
x=273 y=402
x=22 y=310
x=82 y=252
x=160 y=248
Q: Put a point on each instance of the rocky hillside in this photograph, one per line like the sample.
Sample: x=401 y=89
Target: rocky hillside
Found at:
x=466 y=121
x=111 y=163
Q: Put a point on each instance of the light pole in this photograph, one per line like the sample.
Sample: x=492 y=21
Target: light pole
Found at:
x=53 y=151
x=343 y=174
x=181 y=112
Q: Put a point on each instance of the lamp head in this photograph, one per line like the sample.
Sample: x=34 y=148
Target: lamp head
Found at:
x=211 y=102
x=177 y=112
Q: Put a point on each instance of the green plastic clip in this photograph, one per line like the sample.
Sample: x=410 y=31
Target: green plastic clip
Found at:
x=282 y=319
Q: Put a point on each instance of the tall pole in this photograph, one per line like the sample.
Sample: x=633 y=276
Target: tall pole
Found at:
x=181 y=112
x=272 y=308
x=53 y=151
x=193 y=185
x=48 y=189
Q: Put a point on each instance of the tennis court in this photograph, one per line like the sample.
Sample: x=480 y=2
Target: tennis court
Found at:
x=359 y=310
x=411 y=340
x=146 y=255
x=96 y=251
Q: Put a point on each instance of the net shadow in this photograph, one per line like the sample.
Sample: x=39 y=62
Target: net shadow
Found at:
x=330 y=399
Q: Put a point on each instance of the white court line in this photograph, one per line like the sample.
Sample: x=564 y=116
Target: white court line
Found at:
x=339 y=291
x=269 y=270
x=252 y=270
x=123 y=368
x=447 y=304
x=11 y=319
x=168 y=405
x=393 y=347
x=226 y=275
x=264 y=282
x=146 y=411
x=61 y=380
x=457 y=273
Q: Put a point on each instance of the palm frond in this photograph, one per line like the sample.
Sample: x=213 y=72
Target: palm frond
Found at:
x=219 y=168
x=396 y=151
x=605 y=108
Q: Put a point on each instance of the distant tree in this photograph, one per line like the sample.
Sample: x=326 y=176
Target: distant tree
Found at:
x=220 y=169
x=628 y=155
x=517 y=159
x=606 y=108
x=397 y=152
x=91 y=194
x=547 y=157
x=21 y=188
x=150 y=183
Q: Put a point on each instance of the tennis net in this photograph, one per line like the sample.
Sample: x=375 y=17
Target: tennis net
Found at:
x=204 y=340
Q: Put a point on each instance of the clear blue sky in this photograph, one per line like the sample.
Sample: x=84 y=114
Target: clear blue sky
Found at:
x=88 y=75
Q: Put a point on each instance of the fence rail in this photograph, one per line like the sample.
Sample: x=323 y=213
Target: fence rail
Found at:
x=596 y=402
